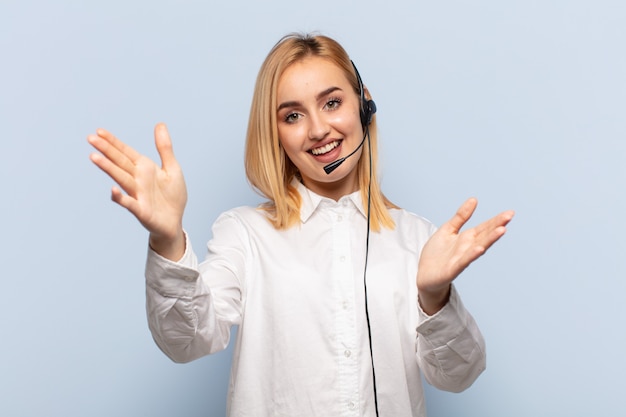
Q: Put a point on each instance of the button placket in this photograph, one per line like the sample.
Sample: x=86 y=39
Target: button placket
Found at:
x=344 y=280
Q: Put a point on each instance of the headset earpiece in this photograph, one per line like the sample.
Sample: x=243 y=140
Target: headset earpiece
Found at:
x=368 y=107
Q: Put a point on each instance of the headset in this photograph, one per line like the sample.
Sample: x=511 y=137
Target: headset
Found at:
x=367 y=110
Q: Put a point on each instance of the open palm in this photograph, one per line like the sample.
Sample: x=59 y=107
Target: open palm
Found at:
x=449 y=251
x=155 y=195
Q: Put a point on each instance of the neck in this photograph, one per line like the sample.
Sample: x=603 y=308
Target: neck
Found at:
x=333 y=190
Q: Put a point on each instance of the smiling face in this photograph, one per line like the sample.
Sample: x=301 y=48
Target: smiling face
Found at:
x=318 y=122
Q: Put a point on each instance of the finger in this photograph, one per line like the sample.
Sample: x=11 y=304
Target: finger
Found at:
x=164 y=147
x=491 y=237
x=501 y=219
x=119 y=175
x=485 y=239
x=470 y=253
x=125 y=201
x=112 y=153
x=463 y=214
x=507 y=216
x=123 y=148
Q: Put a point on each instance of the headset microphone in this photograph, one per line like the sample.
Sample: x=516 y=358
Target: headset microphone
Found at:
x=368 y=108
x=335 y=164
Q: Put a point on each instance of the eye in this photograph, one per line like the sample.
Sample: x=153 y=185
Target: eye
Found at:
x=332 y=104
x=292 y=117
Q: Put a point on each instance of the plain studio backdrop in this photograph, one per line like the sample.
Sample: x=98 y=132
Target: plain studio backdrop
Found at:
x=519 y=103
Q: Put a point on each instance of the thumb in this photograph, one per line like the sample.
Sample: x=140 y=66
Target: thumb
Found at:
x=164 y=146
x=463 y=214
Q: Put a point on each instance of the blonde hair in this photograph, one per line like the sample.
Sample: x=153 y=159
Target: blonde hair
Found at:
x=268 y=168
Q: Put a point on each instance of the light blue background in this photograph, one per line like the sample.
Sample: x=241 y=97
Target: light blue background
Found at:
x=520 y=103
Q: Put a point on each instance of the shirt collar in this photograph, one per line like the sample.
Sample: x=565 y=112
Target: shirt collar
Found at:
x=311 y=200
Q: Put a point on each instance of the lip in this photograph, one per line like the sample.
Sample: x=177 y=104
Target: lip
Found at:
x=329 y=156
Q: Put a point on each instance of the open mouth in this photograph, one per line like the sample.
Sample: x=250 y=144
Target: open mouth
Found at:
x=325 y=149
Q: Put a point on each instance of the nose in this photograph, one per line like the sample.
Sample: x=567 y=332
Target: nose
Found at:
x=318 y=127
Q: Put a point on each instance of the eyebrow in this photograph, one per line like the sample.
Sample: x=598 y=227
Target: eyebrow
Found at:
x=317 y=97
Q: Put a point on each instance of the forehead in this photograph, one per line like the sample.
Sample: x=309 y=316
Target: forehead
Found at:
x=310 y=76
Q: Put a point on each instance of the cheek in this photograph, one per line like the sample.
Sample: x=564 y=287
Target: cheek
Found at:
x=347 y=121
x=290 y=138
x=283 y=141
x=287 y=146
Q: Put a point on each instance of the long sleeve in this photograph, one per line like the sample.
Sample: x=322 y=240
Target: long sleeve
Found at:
x=190 y=307
x=451 y=349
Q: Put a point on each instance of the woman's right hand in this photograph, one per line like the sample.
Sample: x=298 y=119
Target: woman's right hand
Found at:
x=155 y=195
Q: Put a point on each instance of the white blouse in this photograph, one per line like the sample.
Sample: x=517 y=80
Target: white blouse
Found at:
x=297 y=296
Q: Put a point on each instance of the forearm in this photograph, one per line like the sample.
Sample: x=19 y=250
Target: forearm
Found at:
x=170 y=247
x=432 y=302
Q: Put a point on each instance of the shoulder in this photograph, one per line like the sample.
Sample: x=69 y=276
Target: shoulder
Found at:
x=238 y=227
x=244 y=216
x=411 y=223
x=407 y=217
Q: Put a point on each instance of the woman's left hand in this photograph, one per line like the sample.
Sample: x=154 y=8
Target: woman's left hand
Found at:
x=449 y=251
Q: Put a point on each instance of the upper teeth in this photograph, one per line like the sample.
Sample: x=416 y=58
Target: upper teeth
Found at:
x=326 y=148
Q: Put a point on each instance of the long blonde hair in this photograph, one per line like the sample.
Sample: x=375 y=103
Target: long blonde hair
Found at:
x=268 y=168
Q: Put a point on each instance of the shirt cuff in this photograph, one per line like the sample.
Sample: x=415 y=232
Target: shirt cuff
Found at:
x=173 y=279
x=445 y=324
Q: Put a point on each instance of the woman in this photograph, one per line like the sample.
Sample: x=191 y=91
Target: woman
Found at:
x=332 y=320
